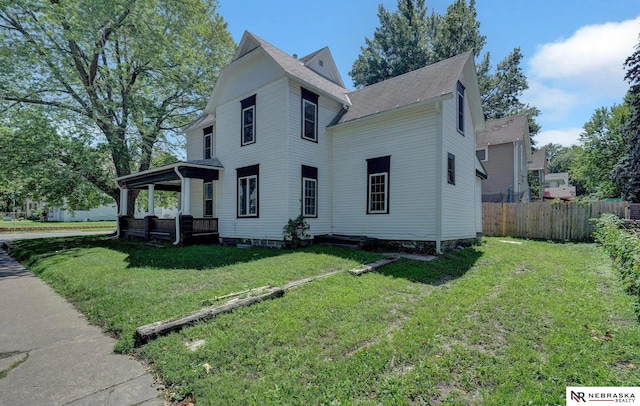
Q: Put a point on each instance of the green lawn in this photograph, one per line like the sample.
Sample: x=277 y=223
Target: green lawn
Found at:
x=496 y=324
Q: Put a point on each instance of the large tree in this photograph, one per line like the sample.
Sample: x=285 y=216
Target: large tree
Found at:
x=628 y=169
x=409 y=38
x=603 y=143
x=118 y=77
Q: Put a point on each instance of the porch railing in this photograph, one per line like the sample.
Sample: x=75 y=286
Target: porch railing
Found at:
x=165 y=229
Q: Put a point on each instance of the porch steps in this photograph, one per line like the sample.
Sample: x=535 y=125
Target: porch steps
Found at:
x=347 y=241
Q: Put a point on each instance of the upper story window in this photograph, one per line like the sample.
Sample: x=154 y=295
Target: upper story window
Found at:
x=248 y=123
x=208 y=139
x=248 y=191
x=482 y=154
x=309 y=191
x=451 y=169
x=460 y=102
x=309 y=115
x=378 y=185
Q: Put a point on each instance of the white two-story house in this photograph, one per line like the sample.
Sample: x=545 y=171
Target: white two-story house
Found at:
x=282 y=136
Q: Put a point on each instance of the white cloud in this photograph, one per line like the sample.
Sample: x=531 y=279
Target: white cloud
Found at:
x=565 y=137
x=556 y=103
x=592 y=57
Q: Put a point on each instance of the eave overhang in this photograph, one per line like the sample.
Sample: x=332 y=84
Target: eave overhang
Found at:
x=166 y=177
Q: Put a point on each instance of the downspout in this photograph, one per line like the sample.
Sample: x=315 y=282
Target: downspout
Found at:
x=177 y=241
x=439 y=174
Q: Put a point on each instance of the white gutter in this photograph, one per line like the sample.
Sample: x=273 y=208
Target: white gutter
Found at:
x=177 y=241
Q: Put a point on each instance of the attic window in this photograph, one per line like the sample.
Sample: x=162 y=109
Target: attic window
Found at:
x=320 y=62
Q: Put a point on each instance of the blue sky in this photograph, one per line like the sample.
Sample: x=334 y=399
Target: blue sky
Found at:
x=573 y=49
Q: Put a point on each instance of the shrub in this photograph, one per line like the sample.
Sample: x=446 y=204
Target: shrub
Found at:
x=624 y=248
x=296 y=233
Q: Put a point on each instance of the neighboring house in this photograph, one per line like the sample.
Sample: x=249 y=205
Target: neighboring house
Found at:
x=282 y=136
x=105 y=212
x=556 y=186
x=538 y=169
x=505 y=151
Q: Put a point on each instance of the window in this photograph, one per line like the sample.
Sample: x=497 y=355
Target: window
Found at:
x=309 y=191
x=482 y=154
x=460 y=108
x=208 y=134
x=309 y=115
x=248 y=191
x=451 y=169
x=208 y=199
x=248 y=120
x=378 y=185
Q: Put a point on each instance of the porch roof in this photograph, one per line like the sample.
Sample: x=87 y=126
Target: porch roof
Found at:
x=167 y=178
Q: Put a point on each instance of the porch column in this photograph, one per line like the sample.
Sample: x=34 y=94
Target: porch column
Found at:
x=186 y=196
x=151 y=209
x=123 y=201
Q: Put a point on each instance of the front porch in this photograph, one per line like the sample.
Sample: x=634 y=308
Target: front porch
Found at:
x=175 y=178
x=154 y=228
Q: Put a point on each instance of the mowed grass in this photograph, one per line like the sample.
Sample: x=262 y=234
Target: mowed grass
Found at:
x=496 y=324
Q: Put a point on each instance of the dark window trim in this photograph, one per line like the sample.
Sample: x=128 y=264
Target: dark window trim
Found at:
x=248 y=172
x=451 y=169
x=377 y=166
x=460 y=108
x=207 y=133
x=204 y=199
x=311 y=173
x=311 y=98
x=248 y=103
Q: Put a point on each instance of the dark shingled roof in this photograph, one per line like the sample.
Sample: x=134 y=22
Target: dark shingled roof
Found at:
x=504 y=131
x=297 y=69
x=422 y=84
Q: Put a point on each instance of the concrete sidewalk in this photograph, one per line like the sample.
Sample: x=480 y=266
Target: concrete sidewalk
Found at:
x=51 y=355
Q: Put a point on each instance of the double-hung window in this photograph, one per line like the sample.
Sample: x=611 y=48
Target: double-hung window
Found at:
x=309 y=115
x=208 y=199
x=248 y=121
x=460 y=103
x=309 y=191
x=208 y=135
x=378 y=185
x=451 y=169
x=248 y=191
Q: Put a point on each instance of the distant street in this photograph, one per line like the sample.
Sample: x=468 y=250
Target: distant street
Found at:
x=27 y=235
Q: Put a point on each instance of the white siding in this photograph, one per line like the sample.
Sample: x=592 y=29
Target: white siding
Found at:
x=252 y=72
x=409 y=137
x=269 y=151
x=197 y=198
x=459 y=200
x=305 y=152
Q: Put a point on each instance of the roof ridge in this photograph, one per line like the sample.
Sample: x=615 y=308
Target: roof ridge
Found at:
x=435 y=64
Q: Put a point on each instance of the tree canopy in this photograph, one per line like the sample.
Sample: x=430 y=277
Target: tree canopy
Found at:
x=627 y=171
x=115 y=79
x=409 y=38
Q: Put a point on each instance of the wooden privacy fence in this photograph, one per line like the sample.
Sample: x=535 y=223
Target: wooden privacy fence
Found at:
x=550 y=221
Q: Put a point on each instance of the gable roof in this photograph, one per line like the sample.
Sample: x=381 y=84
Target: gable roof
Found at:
x=321 y=62
x=538 y=160
x=504 y=131
x=292 y=66
x=427 y=83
